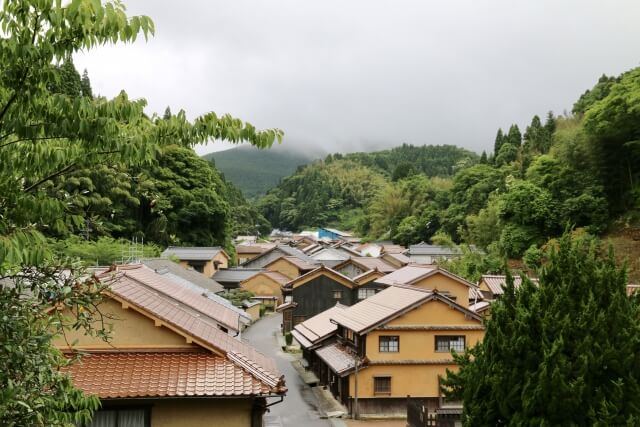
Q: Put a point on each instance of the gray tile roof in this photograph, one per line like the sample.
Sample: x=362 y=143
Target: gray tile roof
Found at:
x=238 y=275
x=165 y=266
x=192 y=253
x=435 y=250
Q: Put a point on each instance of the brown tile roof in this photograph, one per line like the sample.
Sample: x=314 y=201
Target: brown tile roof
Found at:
x=319 y=326
x=407 y=274
x=193 y=323
x=163 y=374
x=339 y=358
x=367 y=276
x=148 y=277
x=496 y=282
x=480 y=306
x=371 y=263
x=256 y=248
x=338 y=277
x=400 y=257
x=393 y=249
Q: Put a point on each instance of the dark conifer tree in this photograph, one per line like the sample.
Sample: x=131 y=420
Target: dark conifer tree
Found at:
x=514 y=137
x=85 y=85
x=167 y=113
x=483 y=158
x=500 y=139
x=564 y=352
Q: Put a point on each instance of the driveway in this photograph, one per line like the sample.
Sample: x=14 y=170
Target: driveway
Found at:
x=300 y=407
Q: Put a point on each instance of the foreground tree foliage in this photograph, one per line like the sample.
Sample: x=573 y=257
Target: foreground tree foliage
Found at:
x=566 y=352
x=47 y=132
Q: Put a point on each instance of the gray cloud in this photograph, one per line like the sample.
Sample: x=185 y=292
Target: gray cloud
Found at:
x=367 y=74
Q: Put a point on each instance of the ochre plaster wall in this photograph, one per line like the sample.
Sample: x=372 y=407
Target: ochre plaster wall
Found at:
x=406 y=380
x=263 y=286
x=442 y=283
x=285 y=267
x=202 y=413
x=130 y=330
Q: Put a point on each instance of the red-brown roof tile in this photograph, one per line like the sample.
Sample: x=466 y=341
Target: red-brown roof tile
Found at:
x=147 y=374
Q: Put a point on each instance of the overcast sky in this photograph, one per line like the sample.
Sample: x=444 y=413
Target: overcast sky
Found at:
x=361 y=75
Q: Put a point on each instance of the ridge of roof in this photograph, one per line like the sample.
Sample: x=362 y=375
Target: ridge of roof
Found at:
x=149 y=302
x=322 y=267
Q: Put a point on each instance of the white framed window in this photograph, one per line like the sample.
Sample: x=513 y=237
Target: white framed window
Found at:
x=365 y=293
x=447 y=343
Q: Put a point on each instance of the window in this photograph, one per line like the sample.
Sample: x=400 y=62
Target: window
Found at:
x=120 y=418
x=448 y=343
x=348 y=334
x=337 y=294
x=382 y=385
x=365 y=293
x=389 y=344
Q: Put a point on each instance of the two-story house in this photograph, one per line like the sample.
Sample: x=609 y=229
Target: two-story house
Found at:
x=320 y=289
x=170 y=361
x=392 y=345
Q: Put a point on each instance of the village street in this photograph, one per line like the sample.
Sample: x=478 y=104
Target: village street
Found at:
x=300 y=407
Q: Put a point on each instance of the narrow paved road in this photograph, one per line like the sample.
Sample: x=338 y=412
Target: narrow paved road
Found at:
x=299 y=407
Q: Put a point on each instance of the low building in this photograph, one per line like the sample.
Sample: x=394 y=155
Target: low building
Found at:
x=424 y=253
x=266 y=286
x=330 y=256
x=290 y=266
x=391 y=346
x=231 y=278
x=246 y=252
x=169 y=362
x=492 y=286
x=431 y=278
x=205 y=260
x=396 y=259
x=274 y=253
x=357 y=265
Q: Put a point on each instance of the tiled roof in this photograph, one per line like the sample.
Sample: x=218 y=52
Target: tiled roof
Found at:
x=480 y=306
x=286 y=250
x=375 y=309
x=338 y=232
x=278 y=277
x=254 y=248
x=436 y=250
x=300 y=264
x=374 y=263
x=235 y=274
x=327 y=270
x=319 y=326
x=400 y=257
x=497 y=282
x=339 y=359
x=407 y=274
x=193 y=323
x=148 y=277
x=330 y=254
x=161 y=266
x=393 y=249
x=163 y=374
x=192 y=253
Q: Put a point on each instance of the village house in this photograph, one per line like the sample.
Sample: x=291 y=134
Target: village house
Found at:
x=170 y=362
x=231 y=278
x=386 y=348
x=320 y=289
x=424 y=253
x=266 y=287
x=290 y=266
x=274 y=253
x=206 y=260
x=431 y=278
x=330 y=256
x=357 y=265
x=246 y=252
x=396 y=259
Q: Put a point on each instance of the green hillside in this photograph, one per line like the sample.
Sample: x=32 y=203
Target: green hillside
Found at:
x=255 y=171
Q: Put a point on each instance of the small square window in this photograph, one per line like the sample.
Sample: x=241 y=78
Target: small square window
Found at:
x=382 y=385
x=337 y=294
x=365 y=293
x=389 y=344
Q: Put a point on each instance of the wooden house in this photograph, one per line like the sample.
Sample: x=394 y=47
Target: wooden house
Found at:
x=290 y=266
x=266 y=287
x=357 y=265
x=319 y=290
x=274 y=253
x=169 y=362
x=394 y=345
x=206 y=260
x=246 y=252
x=396 y=259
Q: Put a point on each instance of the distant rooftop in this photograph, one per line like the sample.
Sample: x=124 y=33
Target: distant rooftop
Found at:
x=436 y=250
x=192 y=253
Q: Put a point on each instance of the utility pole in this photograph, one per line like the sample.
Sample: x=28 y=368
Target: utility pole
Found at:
x=355 y=402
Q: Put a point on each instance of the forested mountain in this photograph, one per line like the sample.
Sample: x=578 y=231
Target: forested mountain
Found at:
x=254 y=171
x=579 y=170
